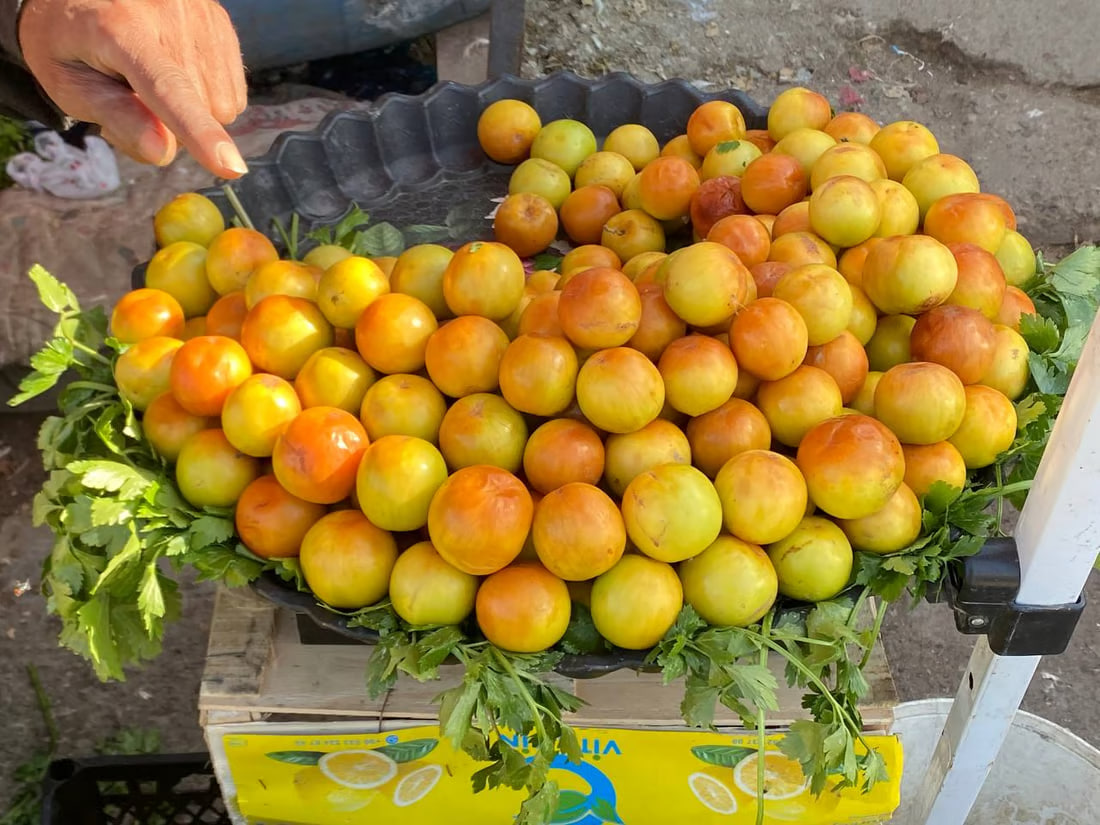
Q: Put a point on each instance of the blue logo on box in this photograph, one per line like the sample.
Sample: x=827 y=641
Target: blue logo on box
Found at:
x=578 y=808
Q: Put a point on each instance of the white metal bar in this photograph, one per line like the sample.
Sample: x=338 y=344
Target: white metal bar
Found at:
x=979 y=721
x=1059 y=529
x=1057 y=536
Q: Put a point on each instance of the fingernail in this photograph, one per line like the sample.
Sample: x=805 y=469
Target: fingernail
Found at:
x=156 y=148
x=230 y=158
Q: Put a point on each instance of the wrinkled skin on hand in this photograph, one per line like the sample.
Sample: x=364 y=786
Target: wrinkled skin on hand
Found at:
x=154 y=74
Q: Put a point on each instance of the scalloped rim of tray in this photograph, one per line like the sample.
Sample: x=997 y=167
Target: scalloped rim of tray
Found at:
x=273 y=182
x=537 y=91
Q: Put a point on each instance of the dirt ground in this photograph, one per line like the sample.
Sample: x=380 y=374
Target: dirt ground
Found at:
x=1013 y=89
x=1011 y=112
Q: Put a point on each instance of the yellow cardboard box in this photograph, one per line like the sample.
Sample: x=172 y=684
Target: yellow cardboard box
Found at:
x=633 y=777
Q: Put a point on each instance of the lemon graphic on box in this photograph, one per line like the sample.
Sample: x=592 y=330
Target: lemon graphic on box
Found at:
x=416 y=785
x=783 y=777
x=320 y=792
x=348 y=780
x=713 y=793
x=361 y=770
x=787 y=796
x=786 y=789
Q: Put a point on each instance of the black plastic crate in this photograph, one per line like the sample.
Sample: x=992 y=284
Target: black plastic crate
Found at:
x=170 y=789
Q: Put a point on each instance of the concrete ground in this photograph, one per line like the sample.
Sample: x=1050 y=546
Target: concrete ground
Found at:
x=1011 y=86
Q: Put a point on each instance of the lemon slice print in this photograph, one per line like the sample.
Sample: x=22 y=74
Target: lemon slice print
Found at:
x=320 y=792
x=358 y=769
x=416 y=785
x=783 y=778
x=712 y=793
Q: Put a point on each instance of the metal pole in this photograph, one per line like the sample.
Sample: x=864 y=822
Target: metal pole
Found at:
x=1057 y=538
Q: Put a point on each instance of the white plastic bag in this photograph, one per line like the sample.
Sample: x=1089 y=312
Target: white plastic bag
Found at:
x=64 y=170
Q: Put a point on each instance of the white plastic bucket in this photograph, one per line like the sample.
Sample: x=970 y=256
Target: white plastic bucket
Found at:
x=1044 y=775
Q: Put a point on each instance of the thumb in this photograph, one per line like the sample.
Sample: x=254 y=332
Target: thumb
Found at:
x=124 y=120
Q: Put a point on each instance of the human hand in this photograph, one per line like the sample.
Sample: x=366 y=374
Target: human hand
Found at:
x=151 y=73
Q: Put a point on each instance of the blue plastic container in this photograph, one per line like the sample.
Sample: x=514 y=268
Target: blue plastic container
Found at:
x=283 y=32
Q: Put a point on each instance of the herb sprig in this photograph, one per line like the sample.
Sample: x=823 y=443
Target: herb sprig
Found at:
x=502 y=696
x=120 y=526
x=112 y=503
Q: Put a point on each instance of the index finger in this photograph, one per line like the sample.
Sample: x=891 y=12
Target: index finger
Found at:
x=171 y=95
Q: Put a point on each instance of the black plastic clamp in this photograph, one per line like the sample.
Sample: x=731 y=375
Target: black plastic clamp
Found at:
x=983 y=597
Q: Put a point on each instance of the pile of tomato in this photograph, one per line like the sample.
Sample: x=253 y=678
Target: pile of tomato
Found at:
x=762 y=350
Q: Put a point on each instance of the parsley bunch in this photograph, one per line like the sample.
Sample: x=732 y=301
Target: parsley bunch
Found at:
x=121 y=525
x=112 y=504
x=501 y=694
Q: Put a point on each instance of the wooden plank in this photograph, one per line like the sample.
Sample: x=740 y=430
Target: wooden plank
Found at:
x=878 y=704
x=639 y=700
x=257 y=666
x=305 y=679
x=627 y=699
x=239 y=649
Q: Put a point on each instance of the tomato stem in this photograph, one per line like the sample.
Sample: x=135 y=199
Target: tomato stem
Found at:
x=98 y=356
x=805 y=640
x=1000 y=500
x=238 y=207
x=813 y=679
x=94 y=385
x=1003 y=490
x=857 y=608
x=290 y=238
x=880 y=614
x=528 y=699
x=761 y=738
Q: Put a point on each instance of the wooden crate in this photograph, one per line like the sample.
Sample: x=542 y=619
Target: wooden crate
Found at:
x=258 y=670
x=260 y=678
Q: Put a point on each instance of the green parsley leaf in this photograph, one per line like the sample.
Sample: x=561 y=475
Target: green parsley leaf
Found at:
x=1041 y=334
x=547 y=261
x=341 y=234
x=699 y=703
x=108 y=511
x=382 y=239
x=95 y=624
x=425 y=233
x=226 y=566
x=53 y=294
x=54 y=358
x=208 y=531
x=150 y=598
x=581 y=637
x=129 y=554
x=112 y=476
x=1078 y=274
x=32 y=386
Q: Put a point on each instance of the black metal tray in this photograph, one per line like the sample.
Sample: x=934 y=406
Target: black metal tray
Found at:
x=416 y=160
x=332 y=628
